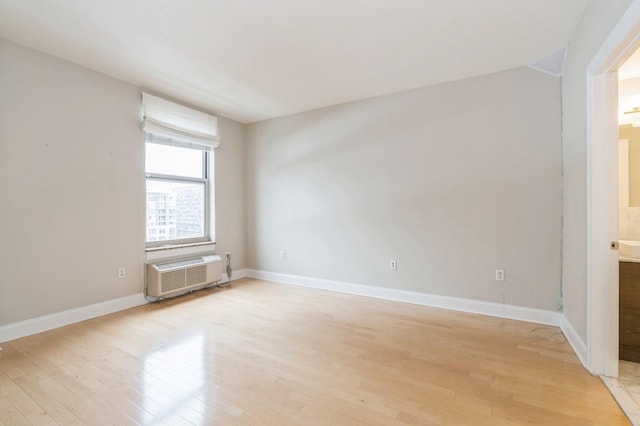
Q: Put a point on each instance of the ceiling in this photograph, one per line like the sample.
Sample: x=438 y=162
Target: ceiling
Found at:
x=251 y=60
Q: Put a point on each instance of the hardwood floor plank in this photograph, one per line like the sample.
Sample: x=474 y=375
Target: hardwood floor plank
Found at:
x=272 y=354
x=10 y=414
x=49 y=395
x=24 y=404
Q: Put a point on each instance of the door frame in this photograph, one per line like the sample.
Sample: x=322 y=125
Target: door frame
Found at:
x=602 y=192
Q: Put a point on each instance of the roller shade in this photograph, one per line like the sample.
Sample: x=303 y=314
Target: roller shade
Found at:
x=171 y=123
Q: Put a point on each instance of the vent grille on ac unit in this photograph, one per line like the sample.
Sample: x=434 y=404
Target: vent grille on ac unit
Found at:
x=196 y=275
x=183 y=274
x=172 y=280
x=179 y=263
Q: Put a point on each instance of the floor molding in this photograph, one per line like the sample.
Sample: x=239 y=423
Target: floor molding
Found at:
x=538 y=316
x=36 y=325
x=574 y=339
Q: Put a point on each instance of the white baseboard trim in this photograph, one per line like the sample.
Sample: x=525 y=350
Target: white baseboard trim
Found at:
x=538 y=316
x=36 y=325
x=574 y=339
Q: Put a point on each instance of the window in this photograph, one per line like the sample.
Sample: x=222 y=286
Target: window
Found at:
x=177 y=182
x=179 y=146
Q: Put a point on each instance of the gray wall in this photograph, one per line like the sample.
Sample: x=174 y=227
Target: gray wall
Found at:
x=452 y=181
x=72 y=186
x=599 y=18
x=230 y=183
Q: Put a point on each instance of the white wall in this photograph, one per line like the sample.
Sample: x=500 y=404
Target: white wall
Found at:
x=452 y=181
x=72 y=186
x=597 y=21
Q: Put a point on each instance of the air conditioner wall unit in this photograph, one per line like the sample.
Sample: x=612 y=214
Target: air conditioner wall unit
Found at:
x=180 y=275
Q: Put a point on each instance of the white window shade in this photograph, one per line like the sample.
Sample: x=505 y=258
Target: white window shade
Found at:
x=168 y=120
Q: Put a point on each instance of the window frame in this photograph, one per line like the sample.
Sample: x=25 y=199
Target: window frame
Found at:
x=207 y=159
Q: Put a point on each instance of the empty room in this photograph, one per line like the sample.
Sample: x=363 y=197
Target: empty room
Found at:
x=303 y=212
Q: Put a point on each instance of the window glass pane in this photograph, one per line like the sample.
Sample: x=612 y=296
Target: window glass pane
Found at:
x=175 y=210
x=174 y=160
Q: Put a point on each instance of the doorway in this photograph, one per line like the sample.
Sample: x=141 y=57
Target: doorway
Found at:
x=602 y=262
x=629 y=210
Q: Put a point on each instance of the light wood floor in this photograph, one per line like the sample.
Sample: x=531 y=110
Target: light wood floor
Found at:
x=262 y=353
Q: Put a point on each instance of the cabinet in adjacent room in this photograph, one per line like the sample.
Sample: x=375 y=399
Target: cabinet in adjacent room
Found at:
x=630 y=311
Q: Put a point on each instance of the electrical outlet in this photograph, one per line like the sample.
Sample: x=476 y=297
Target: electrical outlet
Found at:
x=122 y=272
x=499 y=274
x=283 y=254
x=393 y=264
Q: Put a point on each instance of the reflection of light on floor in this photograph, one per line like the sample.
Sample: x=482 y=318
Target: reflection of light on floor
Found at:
x=174 y=383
